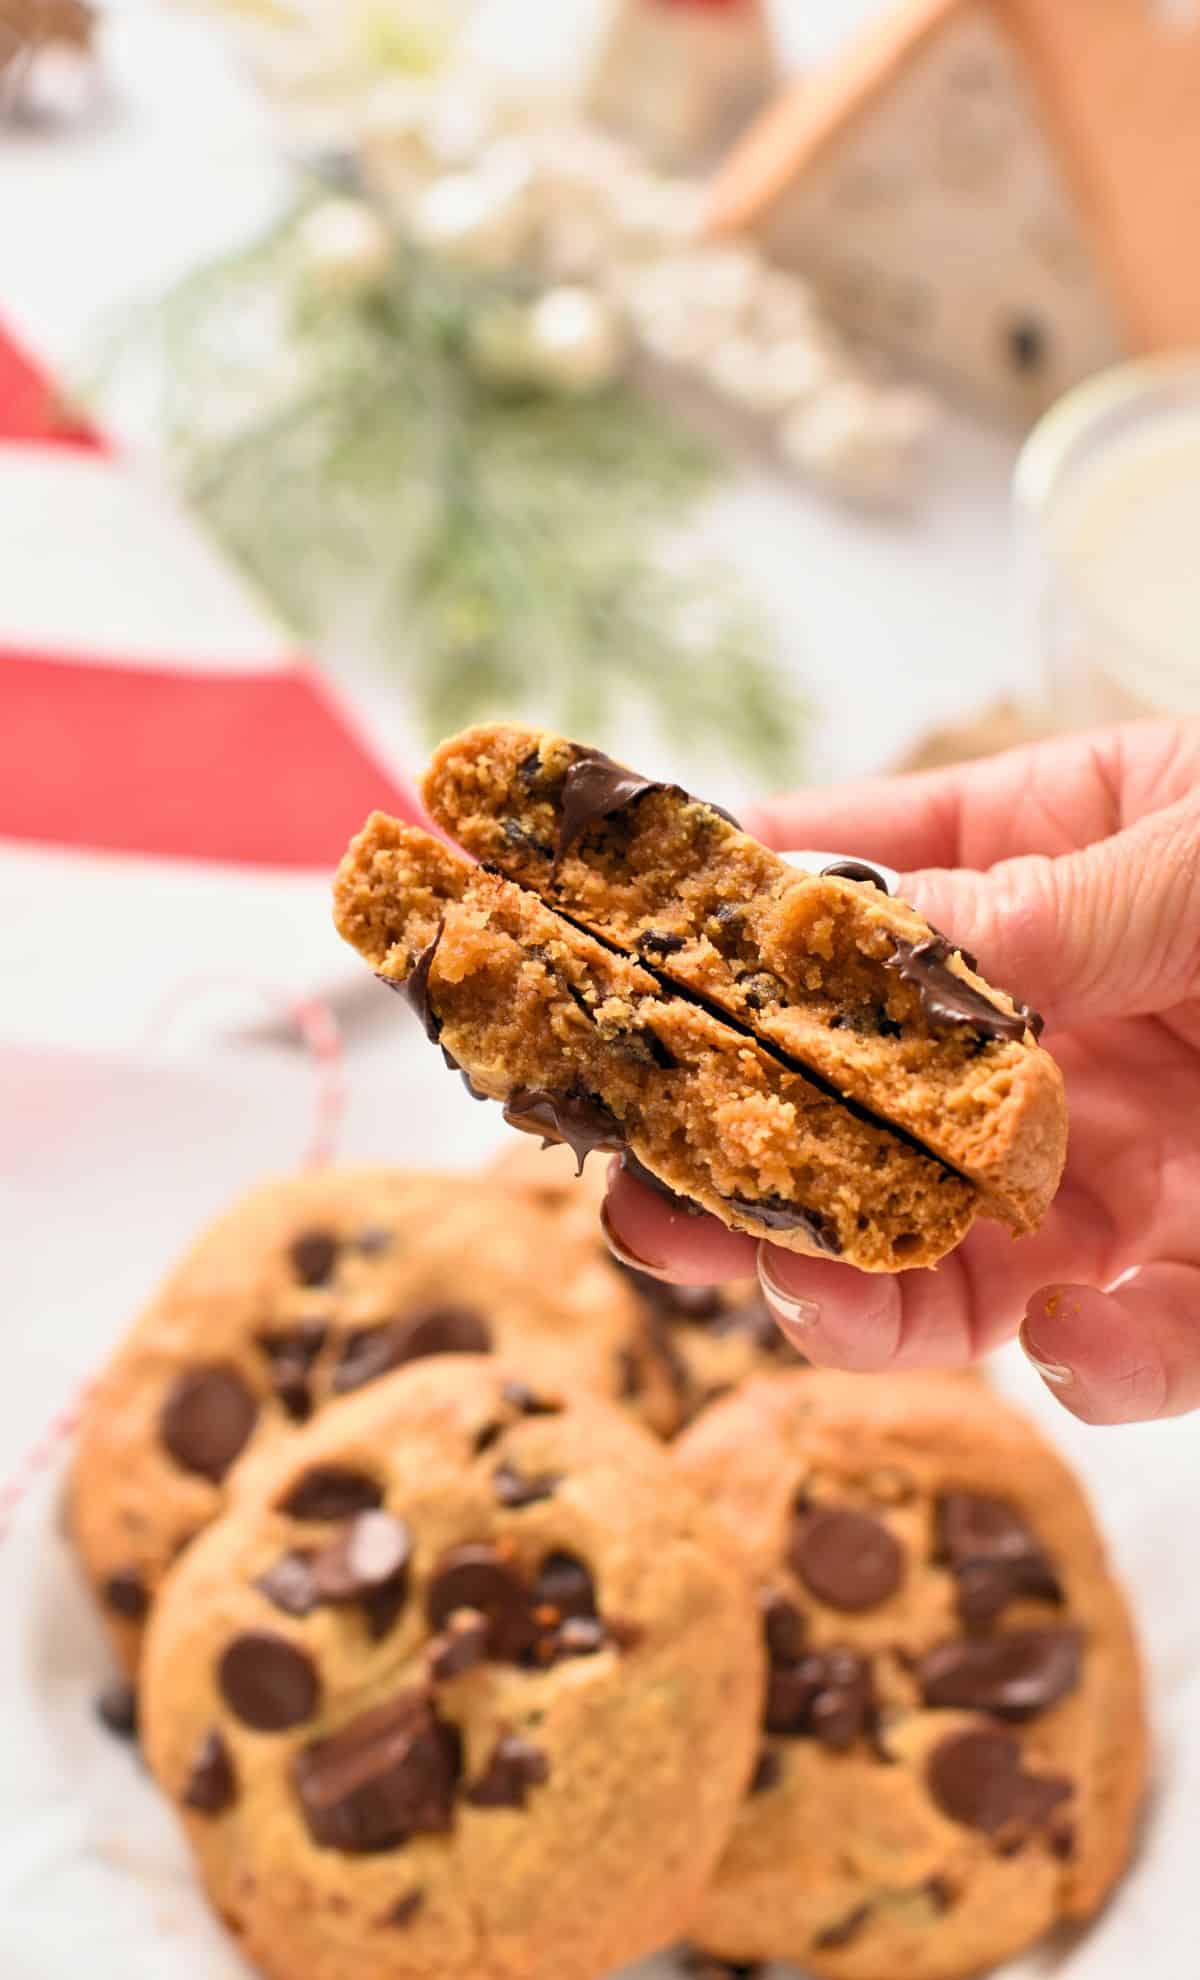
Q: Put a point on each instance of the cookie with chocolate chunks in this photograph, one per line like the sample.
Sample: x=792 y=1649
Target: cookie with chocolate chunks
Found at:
x=825 y=967
x=938 y=1784
x=564 y=1677
x=552 y=1024
x=309 y=1291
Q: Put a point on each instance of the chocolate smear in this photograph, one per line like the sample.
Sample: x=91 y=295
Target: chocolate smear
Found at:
x=514 y=1767
x=1012 y=1676
x=768 y=1772
x=945 y=998
x=977 y=1777
x=387 y=1775
x=207 y=1419
x=845 y=1558
x=212 y=1783
x=580 y=1120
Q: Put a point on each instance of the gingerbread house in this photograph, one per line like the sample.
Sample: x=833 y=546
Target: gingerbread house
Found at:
x=1005 y=190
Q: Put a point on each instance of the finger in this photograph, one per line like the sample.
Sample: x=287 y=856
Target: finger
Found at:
x=904 y=821
x=1125 y=1356
x=650 y=1233
x=1108 y=932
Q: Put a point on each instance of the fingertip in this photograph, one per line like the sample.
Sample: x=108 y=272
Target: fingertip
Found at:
x=668 y=1238
x=1100 y=1368
x=835 y=1316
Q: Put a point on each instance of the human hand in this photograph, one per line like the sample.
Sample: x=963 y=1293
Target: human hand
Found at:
x=1072 y=869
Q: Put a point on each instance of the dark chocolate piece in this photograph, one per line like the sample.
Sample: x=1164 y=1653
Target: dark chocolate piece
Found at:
x=387 y=1775
x=267 y=1682
x=288 y=1584
x=372 y=1552
x=126 y=1594
x=1013 y=1676
x=212 y=1783
x=847 y=1559
x=856 y=869
x=117 y=1709
x=415 y=990
x=331 y=1491
x=513 y=1768
x=785 y=1629
x=291 y=1354
x=565 y=1585
x=776 y=1215
x=827 y=1696
x=594 y=788
x=462 y=1647
x=313 y=1256
x=945 y=998
x=584 y=1123
x=993 y=1554
x=476 y=1576
x=768 y=1771
x=977 y=1777
x=207 y=1419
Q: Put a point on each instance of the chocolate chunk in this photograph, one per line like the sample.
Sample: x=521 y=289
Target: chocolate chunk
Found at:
x=117 y=1709
x=768 y=1771
x=415 y=990
x=785 y=1629
x=313 y=1256
x=656 y=946
x=578 y=1119
x=367 y=1353
x=381 y=1606
x=848 y=1560
x=291 y=1354
x=288 y=1583
x=387 y=1775
x=844 y=1930
x=476 y=1576
x=594 y=788
x=444 y=1330
x=994 y=1555
x=207 y=1420
x=856 y=869
x=331 y=1491
x=518 y=1395
x=1013 y=1676
x=462 y=1648
x=945 y=998
x=827 y=1696
x=405 y=1909
x=125 y=1593
x=564 y=1584
x=776 y=1215
x=267 y=1682
x=212 y=1783
x=514 y=1767
x=580 y=1636
x=977 y=1778
x=514 y=1488
x=370 y=1553
x=529 y=769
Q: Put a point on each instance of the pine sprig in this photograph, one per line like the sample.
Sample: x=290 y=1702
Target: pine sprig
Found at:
x=505 y=553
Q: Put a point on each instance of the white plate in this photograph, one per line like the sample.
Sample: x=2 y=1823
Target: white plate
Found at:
x=106 y=1167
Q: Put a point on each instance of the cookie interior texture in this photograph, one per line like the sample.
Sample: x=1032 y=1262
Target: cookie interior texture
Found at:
x=586 y=1045
x=953 y=1744
x=434 y=1735
x=848 y=982
x=304 y=1292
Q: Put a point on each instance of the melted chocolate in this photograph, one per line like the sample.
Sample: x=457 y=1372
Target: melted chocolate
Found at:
x=946 y=999
x=856 y=869
x=578 y=1119
x=776 y=1215
x=595 y=787
x=415 y=989
x=636 y=1169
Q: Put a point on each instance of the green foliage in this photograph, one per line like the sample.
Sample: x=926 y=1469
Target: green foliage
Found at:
x=514 y=552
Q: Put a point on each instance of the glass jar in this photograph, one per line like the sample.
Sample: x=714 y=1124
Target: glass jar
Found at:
x=1108 y=497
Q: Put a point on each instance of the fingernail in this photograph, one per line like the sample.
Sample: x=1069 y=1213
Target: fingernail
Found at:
x=796 y=1316
x=623 y=1255
x=1056 y=1373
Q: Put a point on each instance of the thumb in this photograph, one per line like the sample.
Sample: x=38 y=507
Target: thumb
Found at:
x=1110 y=931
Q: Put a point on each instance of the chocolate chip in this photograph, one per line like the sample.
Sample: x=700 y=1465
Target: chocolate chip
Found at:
x=313 y=1256
x=580 y=1120
x=125 y=1593
x=117 y=1709
x=529 y=769
x=945 y=998
x=594 y=788
x=267 y=1682
x=768 y=1771
x=288 y=1584
x=212 y=1783
x=564 y=1584
x=405 y=1909
x=656 y=946
x=371 y=1552
x=331 y=1491
x=827 y=1696
x=844 y=1930
x=475 y=1576
x=847 y=1559
x=856 y=869
x=487 y=1435
x=462 y=1648
x=1013 y=1676
x=784 y=1628
x=381 y=1606
x=523 y=841
x=387 y=1775
x=444 y=1330
x=415 y=990
x=994 y=1555
x=367 y=1353
x=291 y=1355
x=514 y=1488
x=774 y=1214
x=207 y=1420
x=518 y=1395
x=977 y=1778
x=514 y=1767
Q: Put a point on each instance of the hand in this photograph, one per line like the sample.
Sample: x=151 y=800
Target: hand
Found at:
x=1072 y=869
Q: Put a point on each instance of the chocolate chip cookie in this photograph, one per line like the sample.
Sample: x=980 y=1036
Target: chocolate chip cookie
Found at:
x=704 y=1340
x=464 y=1684
x=305 y=1291
x=847 y=984
x=583 y=1044
x=952 y=1737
